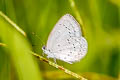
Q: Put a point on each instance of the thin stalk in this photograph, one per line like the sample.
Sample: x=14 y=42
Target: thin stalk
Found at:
x=12 y=23
x=58 y=67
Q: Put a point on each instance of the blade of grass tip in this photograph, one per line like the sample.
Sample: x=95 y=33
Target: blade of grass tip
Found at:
x=77 y=14
x=12 y=23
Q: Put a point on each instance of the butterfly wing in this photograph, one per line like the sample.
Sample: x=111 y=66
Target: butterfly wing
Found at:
x=63 y=27
x=65 y=39
x=72 y=50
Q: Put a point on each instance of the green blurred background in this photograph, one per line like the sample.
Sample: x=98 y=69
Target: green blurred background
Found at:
x=101 y=24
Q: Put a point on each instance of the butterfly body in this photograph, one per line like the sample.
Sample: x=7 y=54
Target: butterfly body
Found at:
x=65 y=42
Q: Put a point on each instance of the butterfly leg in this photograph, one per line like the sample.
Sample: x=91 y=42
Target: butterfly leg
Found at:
x=55 y=60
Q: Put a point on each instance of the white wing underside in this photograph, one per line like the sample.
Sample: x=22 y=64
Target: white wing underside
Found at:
x=66 y=41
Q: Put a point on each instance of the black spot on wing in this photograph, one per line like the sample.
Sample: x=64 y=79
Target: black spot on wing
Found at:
x=60 y=24
x=69 y=42
x=60 y=50
x=68 y=29
x=71 y=52
x=64 y=57
x=58 y=45
x=68 y=54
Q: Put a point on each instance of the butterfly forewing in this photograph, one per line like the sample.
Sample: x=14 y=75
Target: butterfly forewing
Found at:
x=67 y=25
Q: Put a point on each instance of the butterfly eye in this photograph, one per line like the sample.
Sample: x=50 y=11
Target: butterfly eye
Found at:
x=43 y=47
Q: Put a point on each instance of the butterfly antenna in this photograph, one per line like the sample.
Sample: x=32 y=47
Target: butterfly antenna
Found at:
x=39 y=38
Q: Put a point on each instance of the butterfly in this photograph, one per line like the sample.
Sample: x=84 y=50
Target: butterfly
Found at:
x=65 y=41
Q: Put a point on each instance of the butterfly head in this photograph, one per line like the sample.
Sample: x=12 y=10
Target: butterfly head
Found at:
x=44 y=47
